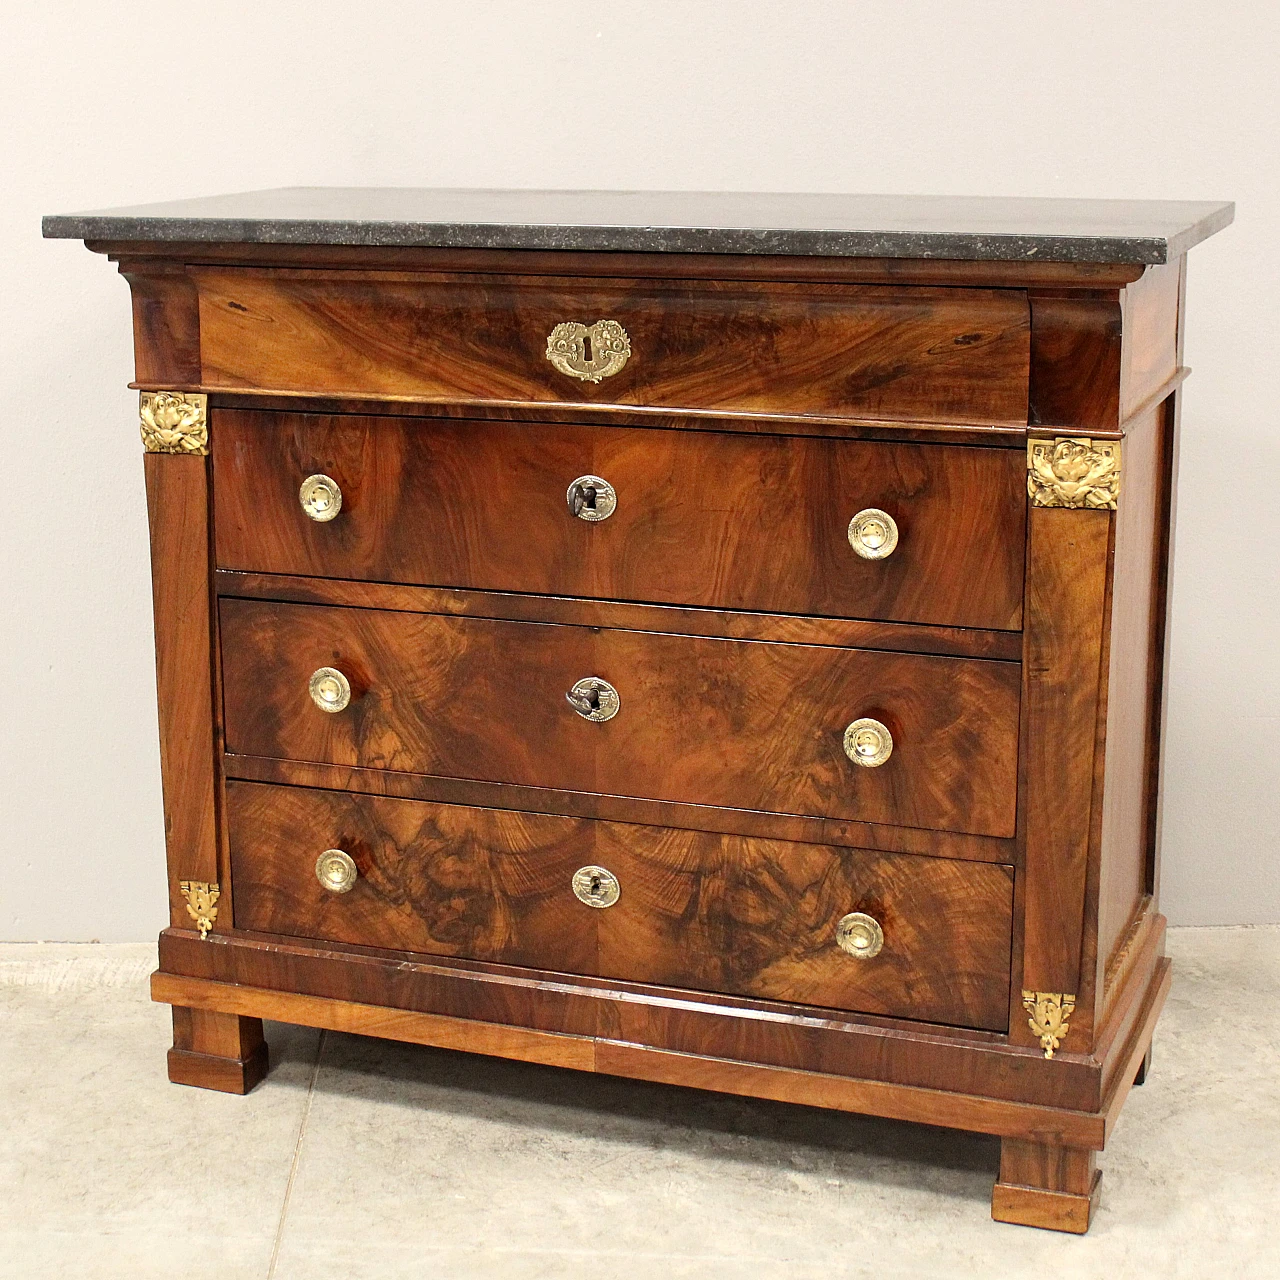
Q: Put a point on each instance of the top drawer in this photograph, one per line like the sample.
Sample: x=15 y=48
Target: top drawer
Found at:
x=843 y=351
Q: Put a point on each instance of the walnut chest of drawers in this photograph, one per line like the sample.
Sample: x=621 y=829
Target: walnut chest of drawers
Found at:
x=714 y=640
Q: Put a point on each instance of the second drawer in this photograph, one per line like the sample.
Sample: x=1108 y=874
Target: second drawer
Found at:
x=690 y=517
x=729 y=723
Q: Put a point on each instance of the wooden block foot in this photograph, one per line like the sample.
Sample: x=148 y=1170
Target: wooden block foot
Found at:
x=217 y=1050
x=1045 y=1185
x=1143 y=1068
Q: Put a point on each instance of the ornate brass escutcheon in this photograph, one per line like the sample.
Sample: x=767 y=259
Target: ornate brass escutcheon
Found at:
x=873 y=534
x=594 y=699
x=589 y=352
x=336 y=870
x=860 y=935
x=1050 y=1013
x=868 y=742
x=596 y=886
x=320 y=497
x=591 y=498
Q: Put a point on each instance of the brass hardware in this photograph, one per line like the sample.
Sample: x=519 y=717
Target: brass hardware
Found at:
x=873 y=534
x=591 y=498
x=1049 y=1012
x=174 y=421
x=860 y=935
x=867 y=742
x=1074 y=471
x=596 y=887
x=336 y=870
x=330 y=690
x=589 y=352
x=320 y=497
x=594 y=699
x=202 y=903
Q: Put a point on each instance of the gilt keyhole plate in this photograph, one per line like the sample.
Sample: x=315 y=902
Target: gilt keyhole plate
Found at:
x=589 y=352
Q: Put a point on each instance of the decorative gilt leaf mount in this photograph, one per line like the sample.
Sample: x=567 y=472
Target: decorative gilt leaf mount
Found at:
x=1074 y=471
x=174 y=422
x=202 y=903
x=1049 y=1012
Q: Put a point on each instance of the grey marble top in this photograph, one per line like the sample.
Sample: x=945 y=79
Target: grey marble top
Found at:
x=977 y=228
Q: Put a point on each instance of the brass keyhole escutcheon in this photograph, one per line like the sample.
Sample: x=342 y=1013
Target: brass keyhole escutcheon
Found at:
x=868 y=742
x=336 y=870
x=596 y=886
x=321 y=498
x=594 y=699
x=589 y=352
x=591 y=498
x=873 y=534
x=860 y=935
x=330 y=690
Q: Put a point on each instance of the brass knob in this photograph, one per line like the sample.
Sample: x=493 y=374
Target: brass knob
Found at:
x=594 y=699
x=320 y=497
x=336 y=870
x=330 y=690
x=596 y=887
x=591 y=498
x=860 y=935
x=867 y=742
x=873 y=534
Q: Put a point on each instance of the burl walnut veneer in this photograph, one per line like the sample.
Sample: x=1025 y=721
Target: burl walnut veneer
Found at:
x=715 y=640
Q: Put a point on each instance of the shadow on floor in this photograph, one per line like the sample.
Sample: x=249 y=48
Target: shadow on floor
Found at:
x=647 y=1115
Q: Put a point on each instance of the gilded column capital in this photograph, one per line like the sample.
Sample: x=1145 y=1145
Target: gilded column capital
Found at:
x=174 y=422
x=1074 y=471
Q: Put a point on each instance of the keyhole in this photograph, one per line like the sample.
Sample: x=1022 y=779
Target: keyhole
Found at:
x=586 y=347
x=593 y=699
x=595 y=884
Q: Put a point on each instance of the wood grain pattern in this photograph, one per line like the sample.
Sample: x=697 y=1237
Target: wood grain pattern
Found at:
x=1046 y=1184
x=482 y=505
x=1076 y=355
x=867 y=1097
x=1134 y=661
x=1068 y=564
x=721 y=722
x=697 y=910
x=1150 y=350
x=166 y=322
x=950 y=355
x=217 y=1050
x=664 y=813
x=853 y=633
x=178 y=512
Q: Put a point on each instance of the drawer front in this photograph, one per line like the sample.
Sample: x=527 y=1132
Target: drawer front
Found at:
x=856 y=351
x=737 y=724
x=699 y=518
x=710 y=912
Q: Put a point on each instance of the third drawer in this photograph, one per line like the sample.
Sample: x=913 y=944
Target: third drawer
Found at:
x=729 y=723
x=923 y=937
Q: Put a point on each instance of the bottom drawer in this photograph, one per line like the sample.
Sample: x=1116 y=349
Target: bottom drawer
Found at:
x=694 y=909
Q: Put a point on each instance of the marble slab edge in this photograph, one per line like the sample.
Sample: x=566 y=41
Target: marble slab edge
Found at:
x=955 y=246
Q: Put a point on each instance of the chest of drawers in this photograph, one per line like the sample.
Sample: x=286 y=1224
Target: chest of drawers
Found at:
x=714 y=640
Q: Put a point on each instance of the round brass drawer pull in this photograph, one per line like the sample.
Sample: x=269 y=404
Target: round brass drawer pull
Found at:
x=596 y=886
x=860 y=935
x=873 y=534
x=330 y=690
x=594 y=699
x=591 y=498
x=867 y=742
x=336 y=870
x=320 y=497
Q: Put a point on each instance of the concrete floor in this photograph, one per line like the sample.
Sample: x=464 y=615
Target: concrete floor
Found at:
x=363 y=1158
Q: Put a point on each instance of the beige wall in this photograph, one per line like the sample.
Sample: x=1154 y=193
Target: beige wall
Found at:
x=112 y=104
